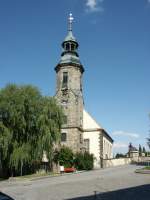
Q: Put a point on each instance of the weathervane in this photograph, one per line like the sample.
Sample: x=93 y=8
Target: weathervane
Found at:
x=70 y=19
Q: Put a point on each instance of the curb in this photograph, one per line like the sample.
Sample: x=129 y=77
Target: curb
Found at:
x=54 y=176
x=16 y=179
x=142 y=171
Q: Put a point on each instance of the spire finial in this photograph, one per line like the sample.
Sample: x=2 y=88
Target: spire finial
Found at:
x=70 y=19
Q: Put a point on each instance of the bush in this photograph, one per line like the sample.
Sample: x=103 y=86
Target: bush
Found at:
x=81 y=161
x=64 y=157
x=84 y=161
x=120 y=155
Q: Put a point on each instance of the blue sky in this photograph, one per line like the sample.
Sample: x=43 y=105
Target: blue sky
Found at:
x=114 y=38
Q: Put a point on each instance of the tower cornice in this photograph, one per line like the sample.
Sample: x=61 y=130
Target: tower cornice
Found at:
x=57 y=68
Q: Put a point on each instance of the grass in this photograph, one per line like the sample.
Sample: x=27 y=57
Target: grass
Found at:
x=32 y=176
x=2 y=179
x=36 y=175
x=147 y=168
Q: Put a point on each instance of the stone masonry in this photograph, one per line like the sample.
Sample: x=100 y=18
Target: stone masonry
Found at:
x=71 y=101
x=69 y=92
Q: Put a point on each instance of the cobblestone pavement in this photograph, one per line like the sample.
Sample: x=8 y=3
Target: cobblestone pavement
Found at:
x=116 y=183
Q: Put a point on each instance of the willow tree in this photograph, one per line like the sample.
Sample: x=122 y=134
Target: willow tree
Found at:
x=29 y=125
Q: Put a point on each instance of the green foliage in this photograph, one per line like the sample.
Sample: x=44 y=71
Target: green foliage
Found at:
x=84 y=161
x=120 y=155
x=29 y=125
x=147 y=153
x=148 y=142
x=147 y=168
x=143 y=150
x=5 y=140
x=140 y=150
x=20 y=155
x=65 y=157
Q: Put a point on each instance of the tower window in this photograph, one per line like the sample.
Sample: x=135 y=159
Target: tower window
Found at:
x=67 y=47
x=81 y=138
x=64 y=119
x=63 y=137
x=65 y=80
x=72 y=47
x=81 y=83
x=87 y=144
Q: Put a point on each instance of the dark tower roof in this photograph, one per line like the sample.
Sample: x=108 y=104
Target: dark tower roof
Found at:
x=70 y=45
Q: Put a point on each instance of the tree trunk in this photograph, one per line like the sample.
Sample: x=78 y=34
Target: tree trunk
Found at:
x=21 y=168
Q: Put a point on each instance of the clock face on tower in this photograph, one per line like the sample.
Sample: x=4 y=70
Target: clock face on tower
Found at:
x=64 y=102
x=65 y=95
x=65 y=92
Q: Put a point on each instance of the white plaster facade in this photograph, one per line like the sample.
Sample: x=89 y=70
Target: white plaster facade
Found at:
x=92 y=133
x=107 y=148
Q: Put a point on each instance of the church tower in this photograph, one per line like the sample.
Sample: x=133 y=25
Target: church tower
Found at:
x=69 y=73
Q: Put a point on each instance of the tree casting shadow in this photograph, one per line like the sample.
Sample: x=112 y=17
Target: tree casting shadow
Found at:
x=135 y=193
x=5 y=197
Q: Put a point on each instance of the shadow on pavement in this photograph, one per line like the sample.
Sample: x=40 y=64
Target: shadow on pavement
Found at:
x=5 y=197
x=135 y=193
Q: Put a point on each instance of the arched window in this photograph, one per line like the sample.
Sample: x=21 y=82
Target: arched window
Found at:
x=87 y=145
x=63 y=137
x=72 y=47
x=67 y=47
x=65 y=80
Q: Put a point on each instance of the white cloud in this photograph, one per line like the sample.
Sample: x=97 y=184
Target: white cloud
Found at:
x=94 y=5
x=119 y=145
x=148 y=1
x=127 y=134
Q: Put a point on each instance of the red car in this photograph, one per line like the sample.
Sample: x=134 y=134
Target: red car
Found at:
x=70 y=169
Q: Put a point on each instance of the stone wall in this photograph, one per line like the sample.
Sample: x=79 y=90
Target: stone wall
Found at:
x=143 y=159
x=116 y=162
x=123 y=161
x=73 y=139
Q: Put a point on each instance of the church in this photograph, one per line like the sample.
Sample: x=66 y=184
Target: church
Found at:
x=80 y=131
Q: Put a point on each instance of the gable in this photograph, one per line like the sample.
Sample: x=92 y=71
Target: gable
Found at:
x=89 y=122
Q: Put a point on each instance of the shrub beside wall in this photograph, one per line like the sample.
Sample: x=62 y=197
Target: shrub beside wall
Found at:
x=65 y=157
x=81 y=161
x=84 y=161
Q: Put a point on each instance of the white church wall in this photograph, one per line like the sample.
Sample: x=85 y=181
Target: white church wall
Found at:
x=88 y=122
x=92 y=131
x=107 y=148
x=94 y=146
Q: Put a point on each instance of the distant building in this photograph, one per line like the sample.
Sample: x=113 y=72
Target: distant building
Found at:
x=133 y=152
x=80 y=131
